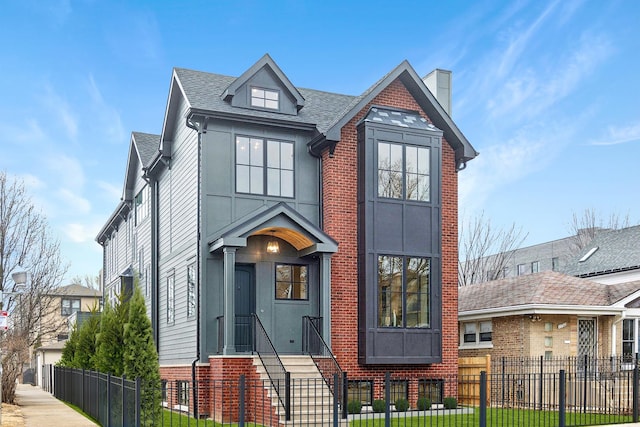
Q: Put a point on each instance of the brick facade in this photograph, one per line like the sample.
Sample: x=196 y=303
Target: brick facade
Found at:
x=340 y=222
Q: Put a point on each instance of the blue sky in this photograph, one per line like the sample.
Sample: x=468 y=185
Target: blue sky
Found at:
x=547 y=91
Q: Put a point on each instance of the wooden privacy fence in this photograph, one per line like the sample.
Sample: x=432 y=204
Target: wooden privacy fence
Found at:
x=469 y=369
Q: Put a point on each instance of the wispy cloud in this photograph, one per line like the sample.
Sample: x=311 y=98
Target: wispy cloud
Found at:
x=620 y=135
x=81 y=232
x=68 y=171
x=59 y=108
x=112 y=191
x=108 y=116
x=75 y=202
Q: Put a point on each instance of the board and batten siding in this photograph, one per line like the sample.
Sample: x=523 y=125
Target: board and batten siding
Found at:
x=178 y=231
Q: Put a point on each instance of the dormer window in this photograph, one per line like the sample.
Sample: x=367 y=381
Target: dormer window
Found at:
x=265 y=98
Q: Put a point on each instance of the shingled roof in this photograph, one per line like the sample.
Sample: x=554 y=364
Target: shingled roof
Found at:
x=546 y=289
x=617 y=250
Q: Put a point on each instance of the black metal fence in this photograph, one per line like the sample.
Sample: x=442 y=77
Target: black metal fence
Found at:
x=559 y=398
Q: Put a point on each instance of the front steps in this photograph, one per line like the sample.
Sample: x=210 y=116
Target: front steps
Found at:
x=311 y=398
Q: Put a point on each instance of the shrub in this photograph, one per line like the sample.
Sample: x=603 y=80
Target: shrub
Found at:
x=450 y=403
x=402 y=405
x=354 y=407
x=379 y=406
x=424 y=404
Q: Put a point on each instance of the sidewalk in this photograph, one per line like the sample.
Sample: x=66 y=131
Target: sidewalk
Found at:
x=40 y=408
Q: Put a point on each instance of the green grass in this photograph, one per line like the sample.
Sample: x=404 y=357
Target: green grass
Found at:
x=495 y=417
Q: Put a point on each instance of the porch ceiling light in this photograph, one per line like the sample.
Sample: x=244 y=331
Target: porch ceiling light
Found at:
x=272 y=245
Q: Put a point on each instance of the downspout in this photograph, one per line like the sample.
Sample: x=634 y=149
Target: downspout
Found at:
x=198 y=127
x=155 y=273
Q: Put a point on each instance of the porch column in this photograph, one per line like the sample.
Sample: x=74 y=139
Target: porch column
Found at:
x=325 y=296
x=229 y=300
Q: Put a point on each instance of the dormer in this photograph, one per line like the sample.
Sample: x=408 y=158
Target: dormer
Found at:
x=264 y=87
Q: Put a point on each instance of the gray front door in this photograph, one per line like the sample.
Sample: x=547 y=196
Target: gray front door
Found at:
x=245 y=306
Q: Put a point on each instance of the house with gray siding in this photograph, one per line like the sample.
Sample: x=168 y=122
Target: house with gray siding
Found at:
x=261 y=204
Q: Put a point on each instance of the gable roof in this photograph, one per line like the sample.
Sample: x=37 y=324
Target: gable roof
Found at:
x=617 y=250
x=548 y=290
x=324 y=113
x=423 y=96
x=279 y=220
x=264 y=62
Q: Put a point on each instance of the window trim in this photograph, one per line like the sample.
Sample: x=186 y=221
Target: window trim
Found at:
x=404 y=172
x=71 y=301
x=404 y=286
x=478 y=342
x=265 y=90
x=265 y=168
x=276 y=281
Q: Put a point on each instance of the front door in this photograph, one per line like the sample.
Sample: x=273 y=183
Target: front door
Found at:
x=245 y=306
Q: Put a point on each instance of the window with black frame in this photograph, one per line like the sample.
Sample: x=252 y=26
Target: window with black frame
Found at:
x=70 y=306
x=264 y=166
x=403 y=292
x=432 y=389
x=292 y=282
x=403 y=172
x=360 y=391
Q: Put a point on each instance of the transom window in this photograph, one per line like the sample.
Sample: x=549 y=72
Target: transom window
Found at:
x=403 y=172
x=403 y=292
x=292 y=282
x=70 y=306
x=264 y=166
x=265 y=98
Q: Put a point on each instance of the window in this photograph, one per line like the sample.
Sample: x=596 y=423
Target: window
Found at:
x=548 y=341
x=403 y=292
x=141 y=203
x=62 y=337
x=535 y=267
x=361 y=391
x=164 y=390
x=399 y=389
x=191 y=290
x=276 y=179
x=171 y=299
x=147 y=280
x=403 y=172
x=628 y=332
x=292 y=282
x=555 y=263
x=265 y=98
x=521 y=269
x=432 y=389
x=476 y=332
x=183 y=393
x=70 y=306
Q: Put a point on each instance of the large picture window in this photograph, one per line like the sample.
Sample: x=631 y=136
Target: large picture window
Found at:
x=403 y=292
x=264 y=166
x=292 y=282
x=403 y=172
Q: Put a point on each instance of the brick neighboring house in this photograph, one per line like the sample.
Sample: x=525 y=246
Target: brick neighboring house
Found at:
x=549 y=314
x=259 y=197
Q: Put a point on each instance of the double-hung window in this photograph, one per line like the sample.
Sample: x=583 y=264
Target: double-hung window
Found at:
x=476 y=333
x=264 y=166
x=403 y=172
x=403 y=291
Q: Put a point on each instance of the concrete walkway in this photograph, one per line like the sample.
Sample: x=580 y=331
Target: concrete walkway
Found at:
x=40 y=408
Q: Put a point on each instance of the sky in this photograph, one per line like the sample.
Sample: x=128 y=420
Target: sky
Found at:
x=547 y=91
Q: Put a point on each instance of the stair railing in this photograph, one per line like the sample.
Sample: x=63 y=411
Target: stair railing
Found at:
x=280 y=378
x=315 y=346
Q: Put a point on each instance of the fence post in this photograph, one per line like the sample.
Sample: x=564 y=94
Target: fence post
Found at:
x=483 y=399
x=387 y=399
x=635 y=392
x=562 y=410
x=287 y=395
x=241 y=398
x=124 y=401
x=138 y=401
x=336 y=388
x=584 y=385
x=345 y=395
x=504 y=383
x=108 y=400
x=540 y=382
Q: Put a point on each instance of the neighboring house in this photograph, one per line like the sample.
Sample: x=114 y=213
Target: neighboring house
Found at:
x=66 y=303
x=259 y=197
x=549 y=314
x=613 y=256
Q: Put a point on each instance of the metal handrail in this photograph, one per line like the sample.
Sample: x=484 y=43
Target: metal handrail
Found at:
x=315 y=346
x=278 y=375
